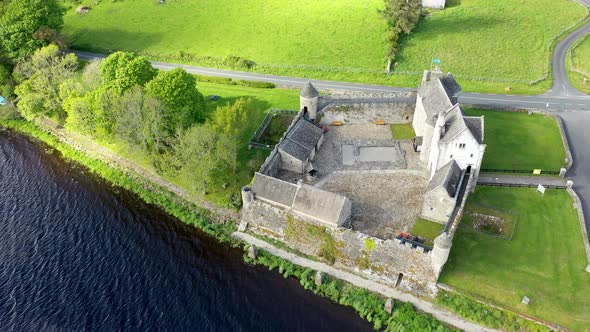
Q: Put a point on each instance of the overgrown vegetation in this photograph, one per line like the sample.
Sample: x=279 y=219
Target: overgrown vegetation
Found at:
x=518 y=141
x=369 y=305
x=351 y=34
x=313 y=235
x=486 y=315
x=158 y=118
x=545 y=260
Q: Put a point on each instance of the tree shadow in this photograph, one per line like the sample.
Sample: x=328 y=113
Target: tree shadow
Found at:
x=108 y=40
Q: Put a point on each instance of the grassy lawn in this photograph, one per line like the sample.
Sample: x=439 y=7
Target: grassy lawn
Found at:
x=521 y=141
x=489 y=45
x=545 y=259
x=427 y=230
x=402 y=131
x=578 y=64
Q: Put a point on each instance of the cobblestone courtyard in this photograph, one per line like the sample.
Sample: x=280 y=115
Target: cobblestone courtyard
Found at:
x=384 y=203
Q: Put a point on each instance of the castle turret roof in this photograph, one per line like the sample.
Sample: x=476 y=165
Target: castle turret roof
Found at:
x=308 y=91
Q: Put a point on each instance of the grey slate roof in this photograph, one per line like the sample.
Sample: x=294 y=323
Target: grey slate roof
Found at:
x=447 y=177
x=324 y=206
x=438 y=95
x=273 y=189
x=301 y=139
x=452 y=88
x=308 y=91
x=475 y=125
x=454 y=124
x=457 y=122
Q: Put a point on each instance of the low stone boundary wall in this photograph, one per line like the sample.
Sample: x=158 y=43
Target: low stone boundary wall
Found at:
x=578 y=207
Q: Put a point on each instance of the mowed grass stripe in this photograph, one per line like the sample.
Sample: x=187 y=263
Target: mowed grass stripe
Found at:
x=520 y=141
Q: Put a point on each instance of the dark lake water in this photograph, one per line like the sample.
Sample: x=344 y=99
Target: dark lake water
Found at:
x=78 y=254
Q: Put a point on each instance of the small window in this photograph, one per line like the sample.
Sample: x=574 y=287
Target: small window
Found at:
x=462 y=146
x=471 y=155
x=451 y=156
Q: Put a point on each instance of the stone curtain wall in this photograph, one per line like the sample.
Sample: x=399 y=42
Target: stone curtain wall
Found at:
x=367 y=108
x=373 y=258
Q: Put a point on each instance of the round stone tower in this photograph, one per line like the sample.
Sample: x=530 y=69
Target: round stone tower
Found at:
x=247 y=197
x=308 y=99
x=440 y=252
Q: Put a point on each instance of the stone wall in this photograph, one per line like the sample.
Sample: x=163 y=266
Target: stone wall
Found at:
x=367 y=108
x=375 y=259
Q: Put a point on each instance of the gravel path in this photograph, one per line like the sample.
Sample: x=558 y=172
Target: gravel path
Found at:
x=423 y=305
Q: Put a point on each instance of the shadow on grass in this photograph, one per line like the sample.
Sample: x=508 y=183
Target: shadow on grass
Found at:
x=134 y=41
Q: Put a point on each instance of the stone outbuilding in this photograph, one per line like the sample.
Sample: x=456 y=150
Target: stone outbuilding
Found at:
x=440 y=198
x=299 y=146
x=303 y=201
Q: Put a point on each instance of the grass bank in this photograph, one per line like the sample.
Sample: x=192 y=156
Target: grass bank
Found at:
x=578 y=64
x=488 y=45
x=519 y=141
x=544 y=260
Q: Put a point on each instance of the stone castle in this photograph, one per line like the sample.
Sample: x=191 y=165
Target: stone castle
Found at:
x=344 y=190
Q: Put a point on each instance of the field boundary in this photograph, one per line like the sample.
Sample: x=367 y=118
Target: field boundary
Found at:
x=571 y=55
x=582 y=219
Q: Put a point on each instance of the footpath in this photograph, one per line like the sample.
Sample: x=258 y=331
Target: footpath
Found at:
x=423 y=305
x=521 y=180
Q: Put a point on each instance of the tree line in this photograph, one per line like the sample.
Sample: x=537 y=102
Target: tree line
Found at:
x=122 y=98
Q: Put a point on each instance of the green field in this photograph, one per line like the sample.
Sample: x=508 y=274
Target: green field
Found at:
x=545 y=259
x=578 y=64
x=520 y=141
x=502 y=42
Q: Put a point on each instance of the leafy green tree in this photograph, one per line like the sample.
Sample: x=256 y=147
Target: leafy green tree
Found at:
x=122 y=70
x=26 y=25
x=178 y=90
x=103 y=103
x=401 y=17
x=80 y=115
x=40 y=78
x=236 y=119
x=203 y=155
x=140 y=121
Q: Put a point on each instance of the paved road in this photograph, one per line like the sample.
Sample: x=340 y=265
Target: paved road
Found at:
x=552 y=102
x=561 y=85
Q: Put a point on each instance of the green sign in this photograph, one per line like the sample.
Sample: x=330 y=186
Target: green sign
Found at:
x=436 y=61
